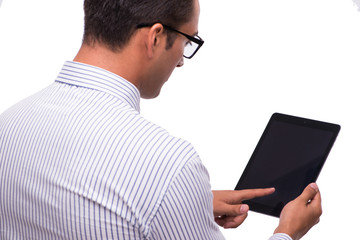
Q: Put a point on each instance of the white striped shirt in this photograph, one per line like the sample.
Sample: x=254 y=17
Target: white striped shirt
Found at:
x=77 y=161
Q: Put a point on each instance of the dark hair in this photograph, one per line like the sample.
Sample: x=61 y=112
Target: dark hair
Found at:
x=113 y=22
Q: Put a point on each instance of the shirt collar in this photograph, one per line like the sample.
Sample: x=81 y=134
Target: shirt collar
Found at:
x=83 y=75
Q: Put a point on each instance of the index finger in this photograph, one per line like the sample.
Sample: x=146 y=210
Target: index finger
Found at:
x=248 y=194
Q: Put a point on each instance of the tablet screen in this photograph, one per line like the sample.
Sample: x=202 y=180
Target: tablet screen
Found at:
x=289 y=156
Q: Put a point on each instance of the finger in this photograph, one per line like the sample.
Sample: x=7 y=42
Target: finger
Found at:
x=310 y=192
x=234 y=222
x=254 y=193
x=232 y=210
x=316 y=199
x=315 y=204
x=230 y=222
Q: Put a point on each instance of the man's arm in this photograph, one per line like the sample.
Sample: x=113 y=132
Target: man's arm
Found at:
x=186 y=212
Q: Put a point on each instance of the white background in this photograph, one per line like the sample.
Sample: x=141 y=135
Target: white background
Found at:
x=259 y=57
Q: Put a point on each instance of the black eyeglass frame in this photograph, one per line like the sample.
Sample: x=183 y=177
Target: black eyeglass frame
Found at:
x=198 y=40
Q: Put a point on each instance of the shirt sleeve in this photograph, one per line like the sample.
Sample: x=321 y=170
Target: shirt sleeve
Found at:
x=280 y=236
x=186 y=211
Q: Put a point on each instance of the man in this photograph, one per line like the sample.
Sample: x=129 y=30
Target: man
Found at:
x=78 y=161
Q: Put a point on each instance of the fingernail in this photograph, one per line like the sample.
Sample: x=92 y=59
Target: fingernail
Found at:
x=314 y=186
x=244 y=209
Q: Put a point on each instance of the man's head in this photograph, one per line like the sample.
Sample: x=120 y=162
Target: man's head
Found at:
x=140 y=40
x=113 y=22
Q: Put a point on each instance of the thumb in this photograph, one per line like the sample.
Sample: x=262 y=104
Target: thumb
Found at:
x=309 y=192
x=233 y=210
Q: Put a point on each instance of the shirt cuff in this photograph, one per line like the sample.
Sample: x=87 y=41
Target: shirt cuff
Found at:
x=280 y=236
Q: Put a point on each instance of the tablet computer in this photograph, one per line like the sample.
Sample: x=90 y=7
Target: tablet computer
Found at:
x=288 y=156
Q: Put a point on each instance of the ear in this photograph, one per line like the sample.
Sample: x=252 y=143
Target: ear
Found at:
x=154 y=39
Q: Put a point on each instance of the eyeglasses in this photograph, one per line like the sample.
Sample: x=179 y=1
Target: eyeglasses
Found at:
x=191 y=47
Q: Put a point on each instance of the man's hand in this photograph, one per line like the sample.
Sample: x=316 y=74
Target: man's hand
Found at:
x=229 y=211
x=301 y=214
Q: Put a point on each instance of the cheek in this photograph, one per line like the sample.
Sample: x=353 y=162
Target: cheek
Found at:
x=179 y=59
x=176 y=59
x=179 y=47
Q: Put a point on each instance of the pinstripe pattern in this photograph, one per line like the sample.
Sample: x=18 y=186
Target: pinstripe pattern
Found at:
x=280 y=236
x=77 y=161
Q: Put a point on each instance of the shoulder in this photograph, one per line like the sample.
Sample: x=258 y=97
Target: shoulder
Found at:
x=172 y=152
